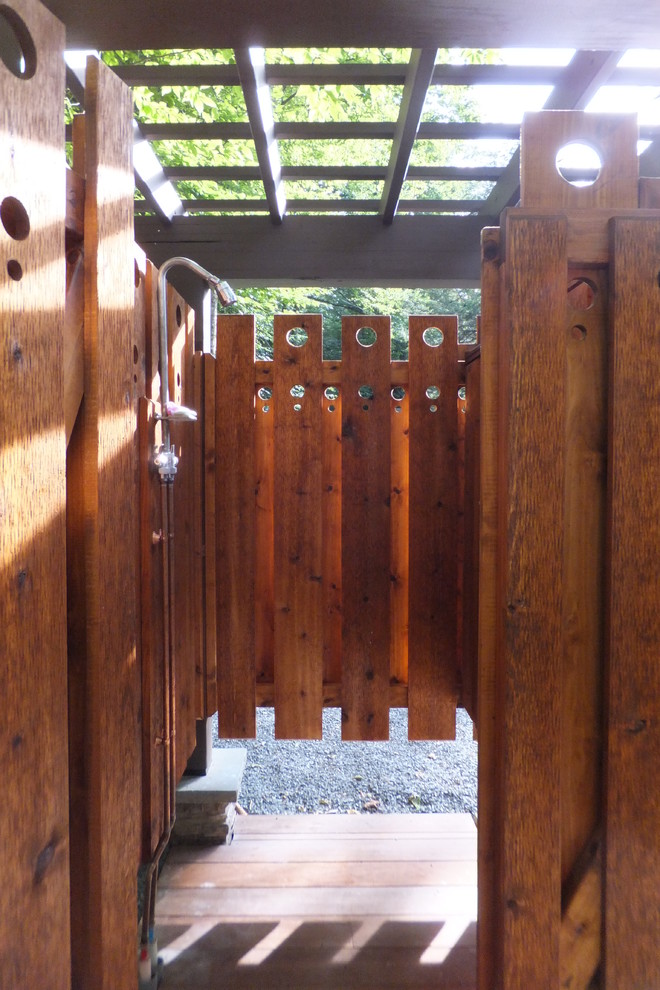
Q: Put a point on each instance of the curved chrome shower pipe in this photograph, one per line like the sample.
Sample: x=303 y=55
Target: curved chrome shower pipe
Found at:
x=166 y=460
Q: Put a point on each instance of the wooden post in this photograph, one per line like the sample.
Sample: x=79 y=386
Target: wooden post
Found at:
x=34 y=828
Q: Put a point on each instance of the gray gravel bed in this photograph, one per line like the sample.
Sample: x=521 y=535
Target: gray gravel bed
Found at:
x=305 y=777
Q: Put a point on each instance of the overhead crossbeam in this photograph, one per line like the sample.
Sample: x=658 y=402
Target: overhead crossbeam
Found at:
x=579 y=81
x=418 y=77
x=424 y=173
x=256 y=92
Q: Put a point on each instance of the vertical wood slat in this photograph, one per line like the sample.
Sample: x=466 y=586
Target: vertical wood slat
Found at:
x=365 y=531
x=197 y=433
x=187 y=649
x=235 y=525
x=208 y=483
x=264 y=539
x=632 y=846
x=110 y=496
x=432 y=671
x=331 y=508
x=399 y=511
x=298 y=530
x=470 y=597
x=534 y=358
x=34 y=851
x=585 y=442
x=489 y=712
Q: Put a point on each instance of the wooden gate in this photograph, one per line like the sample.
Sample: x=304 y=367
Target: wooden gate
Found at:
x=329 y=590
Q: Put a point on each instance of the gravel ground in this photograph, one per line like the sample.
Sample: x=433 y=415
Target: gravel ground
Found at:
x=301 y=777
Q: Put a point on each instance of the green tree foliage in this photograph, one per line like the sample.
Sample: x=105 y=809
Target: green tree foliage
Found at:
x=317 y=103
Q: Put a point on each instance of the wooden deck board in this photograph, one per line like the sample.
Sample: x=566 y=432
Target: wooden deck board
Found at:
x=324 y=901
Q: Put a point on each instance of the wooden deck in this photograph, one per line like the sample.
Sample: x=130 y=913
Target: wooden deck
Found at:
x=376 y=902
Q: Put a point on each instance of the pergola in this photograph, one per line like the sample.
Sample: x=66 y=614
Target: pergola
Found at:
x=394 y=239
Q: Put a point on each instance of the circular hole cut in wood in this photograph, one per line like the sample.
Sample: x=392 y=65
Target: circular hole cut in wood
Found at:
x=297 y=337
x=462 y=392
x=179 y=316
x=297 y=391
x=433 y=336
x=14 y=270
x=331 y=393
x=14 y=218
x=398 y=393
x=578 y=163
x=265 y=393
x=433 y=407
x=297 y=407
x=331 y=407
x=265 y=409
x=582 y=293
x=17 y=50
x=433 y=392
x=366 y=392
x=366 y=336
x=579 y=332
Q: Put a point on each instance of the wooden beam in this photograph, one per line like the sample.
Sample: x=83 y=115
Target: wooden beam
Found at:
x=421 y=250
x=325 y=130
x=256 y=92
x=420 y=71
x=326 y=206
x=376 y=23
x=426 y=173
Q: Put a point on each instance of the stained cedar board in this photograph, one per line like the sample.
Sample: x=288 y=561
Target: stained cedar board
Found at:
x=632 y=845
x=488 y=838
x=471 y=508
x=235 y=525
x=112 y=748
x=432 y=665
x=366 y=531
x=187 y=631
x=264 y=577
x=532 y=474
x=331 y=508
x=399 y=553
x=34 y=850
x=298 y=529
x=208 y=484
x=585 y=444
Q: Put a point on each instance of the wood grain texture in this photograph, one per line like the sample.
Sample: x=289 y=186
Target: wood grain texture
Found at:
x=632 y=844
x=264 y=578
x=34 y=827
x=614 y=136
x=471 y=509
x=400 y=512
x=188 y=630
x=366 y=531
x=331 y=508
x=432 y=664
x=534 y=363
x=209 y=547
x=585 y=443
x=201 y=686
x=298 y=521
x=488 y=941
x=580 y=937
x=152 y=632
x=112 y=744
x=234 y=468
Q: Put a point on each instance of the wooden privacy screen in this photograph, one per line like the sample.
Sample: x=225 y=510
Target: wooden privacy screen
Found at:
x=330 y=589
x=569 y=849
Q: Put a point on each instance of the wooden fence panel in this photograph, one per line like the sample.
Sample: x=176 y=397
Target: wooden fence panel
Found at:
x=208 y=545
x=235 y=525
x=298 y=561
x=432 y=668
x=632 y=846
x=34 y=848
x=530 y=598
x=366 y=529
